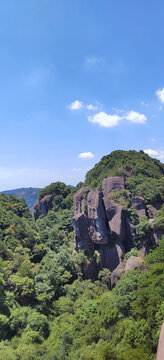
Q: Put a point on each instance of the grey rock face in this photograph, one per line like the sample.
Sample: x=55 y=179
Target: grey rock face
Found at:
x=111 y=257
x=133 y=263
x=42 y=206
x=153 y=209
x=112 y=184
x=160 y=350
x=80 y=199
x=116 y=274
x=139 y=205
x=99 y=233
x=81 y=231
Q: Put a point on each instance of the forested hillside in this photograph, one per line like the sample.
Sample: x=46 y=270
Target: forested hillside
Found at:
x=29 y=194
x=51 y=308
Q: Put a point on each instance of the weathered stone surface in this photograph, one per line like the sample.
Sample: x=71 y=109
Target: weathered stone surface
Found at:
x=156 y=235
x=160 y=350
x=112 y=184
x=42 y=206
x=80 y=199
x=116 y=219
x=133 y=263
x=111 y=257
x=81 y=231
x=129 y=241
x=153 y=209
x=123 y=170
x=139 y=205
x=98 y=230
x=116 y=274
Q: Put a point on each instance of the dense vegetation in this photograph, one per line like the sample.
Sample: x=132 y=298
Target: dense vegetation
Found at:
x=29 y=194
x=143 y=175
x=48 y=311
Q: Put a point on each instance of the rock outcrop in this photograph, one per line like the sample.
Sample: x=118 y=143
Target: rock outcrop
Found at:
x=103 y=225
x=160 y=350
x=42 y=206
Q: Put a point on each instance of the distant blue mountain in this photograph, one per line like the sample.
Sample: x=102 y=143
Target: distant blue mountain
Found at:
x=29 y=194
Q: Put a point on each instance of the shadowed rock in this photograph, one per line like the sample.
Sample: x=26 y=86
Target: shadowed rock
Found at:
x=111 y=257
x=80 y=199
x=98 y=231
x=42 y=206
x=139 y=205
x=81 y=231
x=116 y=219
x=153 y=209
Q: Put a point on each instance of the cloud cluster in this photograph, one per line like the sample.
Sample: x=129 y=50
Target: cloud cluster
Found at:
x=159 y=154
x=109 y=120
x=160 y=95
x=76 y=105
x=86 y=155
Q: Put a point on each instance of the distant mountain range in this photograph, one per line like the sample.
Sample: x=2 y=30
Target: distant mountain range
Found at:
x=29 y=194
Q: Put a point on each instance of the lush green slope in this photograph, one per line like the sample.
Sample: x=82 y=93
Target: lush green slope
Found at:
x=47 y=310
x=29 y=194
x=143 y=175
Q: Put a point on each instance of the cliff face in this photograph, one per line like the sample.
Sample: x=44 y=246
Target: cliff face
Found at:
x=104 y=225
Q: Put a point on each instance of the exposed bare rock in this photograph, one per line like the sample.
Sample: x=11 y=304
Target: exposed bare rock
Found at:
x=81 y=231
x=112 y=184
x=116 y=274
x=116 y=219
x=139 y=205
x=129 y=242
x=156 y=235
x=98 y=231
x=123 y=170
x=133 y=263
x=160 y=350
x=153 y=209
x=111 y=257
x=42 y=206
x=80 y=199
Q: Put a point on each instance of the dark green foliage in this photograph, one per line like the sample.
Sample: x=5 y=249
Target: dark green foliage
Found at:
x=139 y=165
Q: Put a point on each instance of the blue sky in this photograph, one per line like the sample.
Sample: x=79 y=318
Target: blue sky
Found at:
x=78 y=79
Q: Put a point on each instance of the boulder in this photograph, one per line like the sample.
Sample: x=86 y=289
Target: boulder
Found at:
x=160 y=350
x=153 y=209
x=42 y=206
x=129 y=241
x=81 y=238
x=98 y=230
x=116 y=274
x=111 y=257
x=112 y=184
x=133 y=263
x=139 y=205
x=80 y=199
x=116 y=219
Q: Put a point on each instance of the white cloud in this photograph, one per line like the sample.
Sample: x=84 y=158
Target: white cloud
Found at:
x=160 y=94
x=136 y=117
x=86 y=155
x=104 y=119
x=159 y=154
x=76 y=105
x=151 y=152
x=91 y=107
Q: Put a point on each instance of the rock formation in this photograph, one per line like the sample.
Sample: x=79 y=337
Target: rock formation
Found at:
x=42 y=206
x=103 y=225
x=160 y=350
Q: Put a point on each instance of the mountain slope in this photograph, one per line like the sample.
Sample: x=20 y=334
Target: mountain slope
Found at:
x=29 y=194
